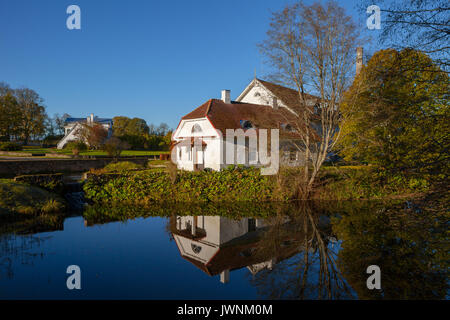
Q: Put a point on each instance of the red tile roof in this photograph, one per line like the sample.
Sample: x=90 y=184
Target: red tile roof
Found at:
x=228 y=115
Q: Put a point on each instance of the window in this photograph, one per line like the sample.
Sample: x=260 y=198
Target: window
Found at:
x=196 y=248
x=179 y=153
x=245 y=124
x=293 y=155
x=196 y=128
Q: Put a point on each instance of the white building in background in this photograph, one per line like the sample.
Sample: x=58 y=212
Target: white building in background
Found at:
x=72 y=127
x=199 y=141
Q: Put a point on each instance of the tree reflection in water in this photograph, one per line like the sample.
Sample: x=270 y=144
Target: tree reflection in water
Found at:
x=313 y=272
x=410 y=246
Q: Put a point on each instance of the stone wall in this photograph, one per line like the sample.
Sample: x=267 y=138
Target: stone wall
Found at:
x=11 y=168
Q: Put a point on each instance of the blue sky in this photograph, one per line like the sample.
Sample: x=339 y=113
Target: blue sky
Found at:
x=156 y=60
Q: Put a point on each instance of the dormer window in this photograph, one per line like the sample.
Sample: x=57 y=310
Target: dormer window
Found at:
x=196 y=249
x=196 y=128
x=245 y=124
x=287 y=127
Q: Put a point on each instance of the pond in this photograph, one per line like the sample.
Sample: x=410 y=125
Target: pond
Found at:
x=299 y=251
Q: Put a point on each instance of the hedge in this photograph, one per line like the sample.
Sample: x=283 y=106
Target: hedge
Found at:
x=235 y=184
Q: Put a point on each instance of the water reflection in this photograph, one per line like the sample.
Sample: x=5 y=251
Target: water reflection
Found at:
x=288 y=257
x=297 y=251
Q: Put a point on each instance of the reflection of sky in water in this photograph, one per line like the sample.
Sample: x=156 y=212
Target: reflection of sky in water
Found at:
x=166 y=258
x=135 y=259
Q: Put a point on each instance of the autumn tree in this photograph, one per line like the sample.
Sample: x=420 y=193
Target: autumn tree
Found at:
x=93 y=134
x=10 y=116
x=32 y=111
x=398 y=115
x=311 y=48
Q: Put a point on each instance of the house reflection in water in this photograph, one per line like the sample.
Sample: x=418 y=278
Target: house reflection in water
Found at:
x=218 y=245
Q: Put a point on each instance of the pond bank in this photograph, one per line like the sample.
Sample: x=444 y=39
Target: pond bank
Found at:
x=20 y=199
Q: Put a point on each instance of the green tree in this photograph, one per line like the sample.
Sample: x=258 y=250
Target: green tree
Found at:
x=397 y=115
x=125 y=126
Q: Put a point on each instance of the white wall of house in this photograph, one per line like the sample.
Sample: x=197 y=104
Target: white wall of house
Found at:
x=259 y=95
x=187 y=155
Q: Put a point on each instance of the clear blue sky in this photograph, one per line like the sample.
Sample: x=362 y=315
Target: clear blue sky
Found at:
x=156 y=60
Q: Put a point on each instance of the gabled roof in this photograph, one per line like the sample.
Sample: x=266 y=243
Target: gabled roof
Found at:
x=229 y=115
x=288 y=96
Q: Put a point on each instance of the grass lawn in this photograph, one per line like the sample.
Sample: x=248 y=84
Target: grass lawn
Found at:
x=90 y=152
x=23 y=199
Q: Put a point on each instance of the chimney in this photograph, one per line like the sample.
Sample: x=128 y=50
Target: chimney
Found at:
x=274 y=102
x=226 y=96
x=225 y=276
x=359 y=59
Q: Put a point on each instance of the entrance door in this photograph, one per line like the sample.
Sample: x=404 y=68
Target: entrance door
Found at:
x=199 y=158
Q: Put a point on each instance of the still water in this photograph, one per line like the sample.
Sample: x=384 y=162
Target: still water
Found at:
x=307 y=251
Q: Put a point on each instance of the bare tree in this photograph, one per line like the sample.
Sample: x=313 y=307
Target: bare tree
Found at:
x=311 y=48
x=59 y=122
x=423 y=25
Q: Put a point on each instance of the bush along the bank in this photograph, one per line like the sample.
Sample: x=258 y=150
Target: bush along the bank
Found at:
x=366 y=182
x=234 y=184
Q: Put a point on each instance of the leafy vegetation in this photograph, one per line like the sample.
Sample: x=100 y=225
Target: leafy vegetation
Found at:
x=366 y=182
x=121 y=166
x=234 y=184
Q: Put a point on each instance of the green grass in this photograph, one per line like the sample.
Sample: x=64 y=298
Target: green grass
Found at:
x=22 y=199
x=91 y=152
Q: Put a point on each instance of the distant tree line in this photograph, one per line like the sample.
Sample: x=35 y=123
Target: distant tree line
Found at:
x=23 y=118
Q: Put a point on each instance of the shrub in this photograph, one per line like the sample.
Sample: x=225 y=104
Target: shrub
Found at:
x=121 y=166
x=76 y=145
x=114 y=146
x=10 y=146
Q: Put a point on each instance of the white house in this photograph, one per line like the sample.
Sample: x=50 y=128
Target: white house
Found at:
x=72 y=127
x=262 y=105
x=218 y=245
